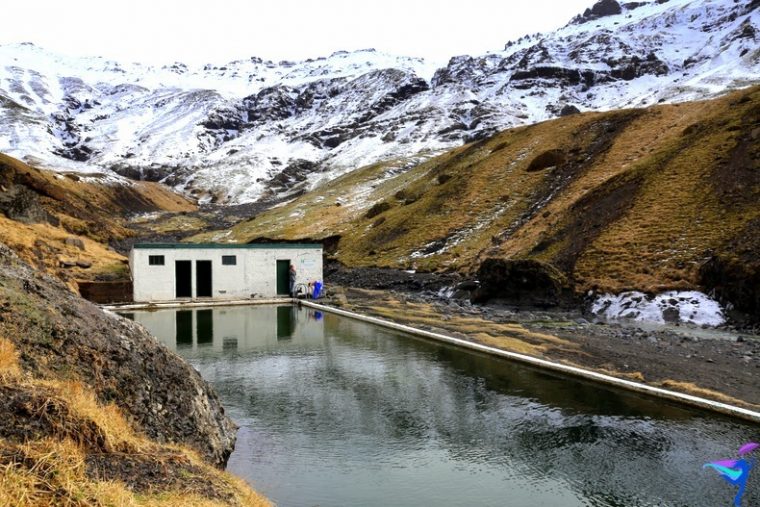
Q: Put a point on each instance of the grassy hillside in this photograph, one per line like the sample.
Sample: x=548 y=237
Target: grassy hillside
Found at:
x=618 y=200
x=40 y=210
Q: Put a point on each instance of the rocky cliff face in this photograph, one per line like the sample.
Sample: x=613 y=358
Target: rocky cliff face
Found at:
x=61 y=336
x=246 y=130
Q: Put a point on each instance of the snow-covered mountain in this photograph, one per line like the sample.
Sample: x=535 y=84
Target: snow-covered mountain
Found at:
x=254 y=128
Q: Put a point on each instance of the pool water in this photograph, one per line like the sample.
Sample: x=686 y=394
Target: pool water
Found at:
x=336 y=412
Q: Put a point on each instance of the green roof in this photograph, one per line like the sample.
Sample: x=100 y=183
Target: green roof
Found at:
x=185 y=246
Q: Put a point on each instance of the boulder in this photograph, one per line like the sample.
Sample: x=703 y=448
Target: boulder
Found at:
x=75 y=242
x=377 y=209
x=521 y=282
x=21 y=204
x=568 y=110
x=671 y=314
x=547 y=159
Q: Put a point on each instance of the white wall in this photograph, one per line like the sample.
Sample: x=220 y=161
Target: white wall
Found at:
x=254 y=275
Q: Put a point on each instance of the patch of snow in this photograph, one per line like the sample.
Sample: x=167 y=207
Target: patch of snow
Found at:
x=691 y=307
x=446 y=292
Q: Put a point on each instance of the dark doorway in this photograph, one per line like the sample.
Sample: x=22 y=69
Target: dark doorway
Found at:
x=283 y=277
x=204 y=322
x=203 y=279
x=184 y=278
x=184 y=328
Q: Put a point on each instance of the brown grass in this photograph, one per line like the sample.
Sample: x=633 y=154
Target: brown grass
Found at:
x=81 y=207
x=53 y=473
x=693 y=389
x=53 y=470
x=504 y=335
x=8 y=359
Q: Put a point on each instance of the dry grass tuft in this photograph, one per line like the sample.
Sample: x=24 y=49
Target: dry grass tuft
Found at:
x=693 y=389
x=8 y=359
x=76 y=452
x=54 y=473
x=117 y=433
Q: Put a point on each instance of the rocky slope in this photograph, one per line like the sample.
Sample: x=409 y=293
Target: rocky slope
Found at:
x=655 y=199
x=254 y=129
x=96 y=412
x=62 y=222
x=59 y=335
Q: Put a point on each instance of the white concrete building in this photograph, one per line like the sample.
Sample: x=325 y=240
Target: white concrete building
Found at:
x=170 y=271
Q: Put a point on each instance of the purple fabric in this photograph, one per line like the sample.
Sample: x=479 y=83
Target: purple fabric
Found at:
x=748 y=447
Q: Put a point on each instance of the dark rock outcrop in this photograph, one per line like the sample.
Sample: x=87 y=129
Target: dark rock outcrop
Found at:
x=60 y=335
x=377 y=209
x=526 y=79
x=600 y=9
x=21 y=204
x=547 y=159
x=295 y=173
x=733 y=275
x=629 y=68
x=569 y=110
x=522 y=282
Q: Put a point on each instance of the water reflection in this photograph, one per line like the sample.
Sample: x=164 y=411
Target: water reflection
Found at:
x=286 y=321
x=184 y=328
x=204 y=327
x=343 y=413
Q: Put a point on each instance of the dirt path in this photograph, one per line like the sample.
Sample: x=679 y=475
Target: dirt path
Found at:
x=714 y=365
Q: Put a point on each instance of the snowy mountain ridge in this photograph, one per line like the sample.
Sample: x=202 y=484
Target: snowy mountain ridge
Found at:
x=254 y=129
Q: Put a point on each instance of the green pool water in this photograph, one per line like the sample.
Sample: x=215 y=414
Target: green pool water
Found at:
x=335 y=412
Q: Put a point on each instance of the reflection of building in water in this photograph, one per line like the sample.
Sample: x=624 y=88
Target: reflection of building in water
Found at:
x=184 y=328
x=286 y=322
x=234 y=328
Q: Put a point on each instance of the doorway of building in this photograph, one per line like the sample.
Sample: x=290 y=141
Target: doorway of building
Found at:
x=283 y=277
x=203 y=279
x=183 y=279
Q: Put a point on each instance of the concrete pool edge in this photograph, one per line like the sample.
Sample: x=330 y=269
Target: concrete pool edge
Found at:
x=165 y=305
x=687 y=399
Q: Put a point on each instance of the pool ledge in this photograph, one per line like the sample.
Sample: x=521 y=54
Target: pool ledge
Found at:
x=196 y=303
x=687 y=399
